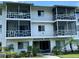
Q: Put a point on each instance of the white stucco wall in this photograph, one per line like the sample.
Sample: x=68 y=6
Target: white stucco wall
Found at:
x=47 y=14
x=48 y=29
x=3 y=23
x=15 y=44
x=52 y=44
x=1 y=31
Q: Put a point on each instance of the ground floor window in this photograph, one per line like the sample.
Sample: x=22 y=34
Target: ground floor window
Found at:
x=58 y=43
x=26 y=44
x=20 y=45
x=0 y=45
x=0 y=28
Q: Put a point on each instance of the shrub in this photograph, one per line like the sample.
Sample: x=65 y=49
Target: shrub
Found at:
x=11 y=54
x=35 y=51
x=29 y=51
x=23 y=54
x=32 y=51
x=29 y=54
x=0 y=48
x=70 y=52
x=56 y=50
x=6 y=49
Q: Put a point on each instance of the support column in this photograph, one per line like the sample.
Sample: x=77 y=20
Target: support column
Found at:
x=75 y=15
x=66 y=11
x=56 y=12
x=30 y=43
x=3 y=43
x=57 y=28
x=52 y=44
x=18 y=8
x=76 y=20
x=18 y=24
x=3 y=35
x=67 y=26
x=16 y=46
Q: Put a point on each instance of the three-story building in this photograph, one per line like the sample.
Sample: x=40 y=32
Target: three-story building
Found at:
x=23 y=25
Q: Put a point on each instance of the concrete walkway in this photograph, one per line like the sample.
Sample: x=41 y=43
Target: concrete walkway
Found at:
x=50 y=56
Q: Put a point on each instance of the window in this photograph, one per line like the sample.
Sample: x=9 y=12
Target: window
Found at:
x=0 y=46
x=77 y=27
x=58 y=43
x=41 y=28
x=20 y=45
x=0 y=28
x=11 y=46
x=77 y=15
x=0 y=11
x=40 y=12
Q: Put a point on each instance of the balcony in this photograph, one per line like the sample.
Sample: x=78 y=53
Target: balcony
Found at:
x=18 y=33
x=20 y=15
x=65 y=17
x=16 y=10
x=64 y=32
x=64 y=13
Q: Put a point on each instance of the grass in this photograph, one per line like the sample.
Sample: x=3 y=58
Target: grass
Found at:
x=69 y=56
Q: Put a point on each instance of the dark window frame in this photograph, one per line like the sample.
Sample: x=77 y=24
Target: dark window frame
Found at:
x=20 y=45
x=0 y=11
x=40 y=12
x=41 y=28
x=0 y=28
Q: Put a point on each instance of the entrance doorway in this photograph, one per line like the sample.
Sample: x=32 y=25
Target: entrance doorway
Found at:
x=44 y=46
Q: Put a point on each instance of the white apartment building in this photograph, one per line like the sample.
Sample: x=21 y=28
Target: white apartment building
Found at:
x=24 y=24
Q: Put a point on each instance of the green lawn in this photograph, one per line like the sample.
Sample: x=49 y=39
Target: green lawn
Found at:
x=69 y=56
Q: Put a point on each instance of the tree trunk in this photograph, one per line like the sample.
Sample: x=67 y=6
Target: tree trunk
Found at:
x=71 y=47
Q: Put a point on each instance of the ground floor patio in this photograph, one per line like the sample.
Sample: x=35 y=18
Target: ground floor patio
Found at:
x=44 y=45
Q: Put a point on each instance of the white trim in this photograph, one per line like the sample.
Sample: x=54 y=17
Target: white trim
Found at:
x=65 y=20
x=56 y=13
x=16 y=19
x=42 y=21
x=31 y=37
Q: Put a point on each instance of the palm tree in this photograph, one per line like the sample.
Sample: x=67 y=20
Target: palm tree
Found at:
x=70 y=41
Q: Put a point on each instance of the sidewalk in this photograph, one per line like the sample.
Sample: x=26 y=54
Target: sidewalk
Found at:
x=50 y=56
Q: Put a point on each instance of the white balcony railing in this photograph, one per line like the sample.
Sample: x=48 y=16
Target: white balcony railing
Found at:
x=18 y=15
x=65 y=32
x=18 y=33
x=65 y=17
